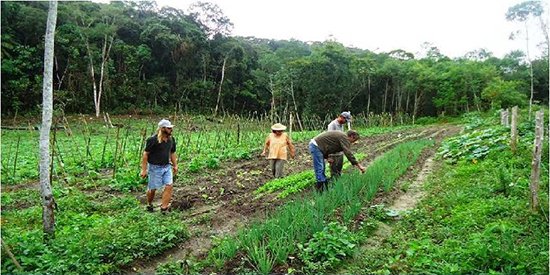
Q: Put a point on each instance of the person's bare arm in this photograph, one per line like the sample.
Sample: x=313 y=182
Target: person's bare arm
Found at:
x=266 y=146
x=174 y=160
x=144 y=160
x=291 y=147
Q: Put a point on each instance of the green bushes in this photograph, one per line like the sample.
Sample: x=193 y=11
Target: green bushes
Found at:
x=91 y=237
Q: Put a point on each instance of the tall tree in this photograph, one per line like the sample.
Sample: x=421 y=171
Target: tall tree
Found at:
x=522 y=12
x=100 y=26
x=48 y=202
x=212 y=19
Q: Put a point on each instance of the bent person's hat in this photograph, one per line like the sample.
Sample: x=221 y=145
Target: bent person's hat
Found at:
x=165 y=123
x=346 y=115
x=278 y=127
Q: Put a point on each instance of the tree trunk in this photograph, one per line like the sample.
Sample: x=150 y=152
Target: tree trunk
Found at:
x=417 y=98
x=48 y=202
x=272 y=99
x=368 y=96
x=92 y=75
x=295 y=106
x=220 y=88
x=530 y=69
x=385 y=97
x=104 y=57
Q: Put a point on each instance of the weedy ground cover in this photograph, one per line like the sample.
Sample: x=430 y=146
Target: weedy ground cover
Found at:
x=92 y=236
x=99 y=227
x=475 y=218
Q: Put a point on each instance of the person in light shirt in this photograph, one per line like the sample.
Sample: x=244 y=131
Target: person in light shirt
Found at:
x=277 y=146
x=336 y=161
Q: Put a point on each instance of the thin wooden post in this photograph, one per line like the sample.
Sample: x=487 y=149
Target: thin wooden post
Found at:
x=10 y=254
x=290 y=126
x=535 y=164
x=116 y=152
x=514 y=129
x=504 y=121
x=16 y=154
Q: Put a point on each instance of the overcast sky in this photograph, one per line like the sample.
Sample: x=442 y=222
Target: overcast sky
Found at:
x=455 y=27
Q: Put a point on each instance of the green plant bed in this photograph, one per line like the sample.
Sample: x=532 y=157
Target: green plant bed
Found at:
x=296 y=222
x=90 y=238
x=297 y=182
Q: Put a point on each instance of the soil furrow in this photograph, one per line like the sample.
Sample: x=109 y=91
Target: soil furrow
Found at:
x=219 y=202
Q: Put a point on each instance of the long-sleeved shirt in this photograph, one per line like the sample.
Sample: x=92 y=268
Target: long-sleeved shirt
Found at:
x=332 y=142
x=336 y=126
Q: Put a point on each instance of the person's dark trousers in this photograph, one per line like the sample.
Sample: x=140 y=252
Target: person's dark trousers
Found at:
x=336 y=166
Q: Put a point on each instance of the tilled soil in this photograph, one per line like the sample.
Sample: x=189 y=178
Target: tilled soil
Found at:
x=218 y=203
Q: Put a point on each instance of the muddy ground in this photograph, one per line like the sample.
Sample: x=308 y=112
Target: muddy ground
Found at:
x=219 y=202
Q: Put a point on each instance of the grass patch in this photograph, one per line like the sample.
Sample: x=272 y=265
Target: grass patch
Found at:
x=470 y=224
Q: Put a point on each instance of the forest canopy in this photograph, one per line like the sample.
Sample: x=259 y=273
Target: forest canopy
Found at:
x=134 y=57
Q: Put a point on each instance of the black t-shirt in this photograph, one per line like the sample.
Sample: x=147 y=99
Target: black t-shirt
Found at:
x=159 y=153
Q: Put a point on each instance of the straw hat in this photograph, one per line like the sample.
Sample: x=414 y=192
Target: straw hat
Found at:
x=278 y=127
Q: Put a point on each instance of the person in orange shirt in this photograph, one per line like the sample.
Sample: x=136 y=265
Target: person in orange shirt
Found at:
x=276 y=146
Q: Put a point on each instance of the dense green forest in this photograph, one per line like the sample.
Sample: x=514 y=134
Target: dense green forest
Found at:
x=134 y=57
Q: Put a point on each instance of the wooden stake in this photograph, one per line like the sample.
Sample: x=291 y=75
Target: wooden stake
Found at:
x=8 y=251
x=535 y=164
x=514 y=129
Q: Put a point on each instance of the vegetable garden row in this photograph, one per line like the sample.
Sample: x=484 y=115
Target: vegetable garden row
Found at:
x=100 y=221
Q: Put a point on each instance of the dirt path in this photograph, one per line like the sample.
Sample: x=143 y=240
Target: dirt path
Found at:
x=400 y=201
x=219 y=202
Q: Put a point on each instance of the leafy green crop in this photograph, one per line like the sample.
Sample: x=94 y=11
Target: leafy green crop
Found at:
x=91 y=237
x=297 y=182
x=327 y=248
x=475 y=145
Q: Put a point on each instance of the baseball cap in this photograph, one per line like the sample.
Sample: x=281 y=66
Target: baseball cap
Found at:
x=346 y=115
x=165 y=123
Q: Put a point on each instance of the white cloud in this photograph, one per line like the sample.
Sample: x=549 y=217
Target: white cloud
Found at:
x=454 y=26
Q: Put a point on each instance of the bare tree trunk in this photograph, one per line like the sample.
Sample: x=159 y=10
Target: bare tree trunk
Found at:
x=530 y=69
x=544 y=27
x=48 y=202
x=295 y=106
x=272 y=98
x=220 y=88
x=417 y=97
x=368 y=96
x=385 y=97
x=62 y=77
x=104 y=57
x=92 y=74
x=407 y=102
